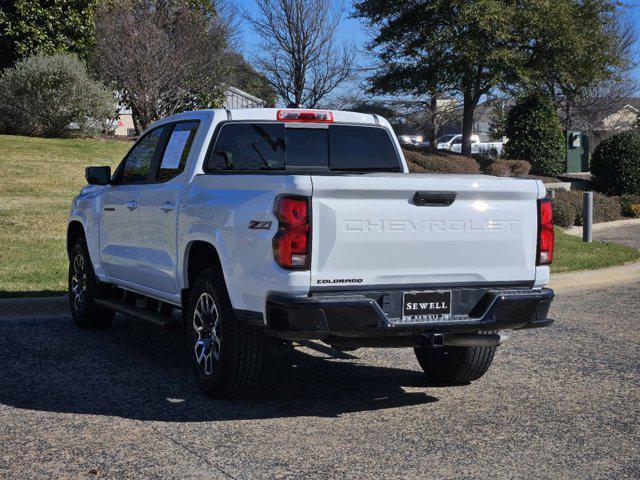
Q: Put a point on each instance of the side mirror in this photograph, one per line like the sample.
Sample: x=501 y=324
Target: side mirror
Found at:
x=98 y=175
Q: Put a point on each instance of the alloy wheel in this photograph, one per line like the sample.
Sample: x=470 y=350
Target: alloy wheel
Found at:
x=79 y=283
x=206 y=322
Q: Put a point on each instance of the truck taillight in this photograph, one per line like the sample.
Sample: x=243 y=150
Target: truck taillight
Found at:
x=545 y=232
x=311 y=116
x=292 y=243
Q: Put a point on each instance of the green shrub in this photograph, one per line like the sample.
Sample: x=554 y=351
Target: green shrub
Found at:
x=568 y=208
x=565 y=208
x=630 y=206
x=535 y=135
x=564 y=214
x=52 y=96
x=484 y=161
x=440 y=163
x=519 y=168
x=605 y=209
x=508 y=168
x=498 y=169
x=615 y=164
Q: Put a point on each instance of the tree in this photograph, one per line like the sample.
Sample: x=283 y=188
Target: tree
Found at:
x=300 y=57
x=535 y=135
x=45 y=26
x=248 y=79
x=589 y=110
x=473 y=46
x=53 y=96
x=164 y=56
x=583 y=51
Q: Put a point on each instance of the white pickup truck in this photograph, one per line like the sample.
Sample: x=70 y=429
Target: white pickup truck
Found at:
x=453 y=143
x=245 y=226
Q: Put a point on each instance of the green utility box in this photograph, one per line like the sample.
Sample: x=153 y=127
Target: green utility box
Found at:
x=577 y=151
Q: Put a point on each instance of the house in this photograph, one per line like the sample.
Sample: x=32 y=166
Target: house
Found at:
x=236 y=98
x=123 y=124
x=233 y=98
x=626 y=117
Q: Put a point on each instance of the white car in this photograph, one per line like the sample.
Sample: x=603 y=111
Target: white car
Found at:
x=413 y=140
x=245 y=226
x=453 y=143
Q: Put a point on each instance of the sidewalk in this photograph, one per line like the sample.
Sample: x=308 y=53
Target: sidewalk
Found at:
x=603 y=277
x=627 y=235
x=609 y=227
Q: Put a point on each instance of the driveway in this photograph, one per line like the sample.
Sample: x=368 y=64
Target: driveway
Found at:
x=558 y=402
x=629 y=236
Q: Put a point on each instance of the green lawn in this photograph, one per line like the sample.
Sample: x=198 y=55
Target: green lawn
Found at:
x=571 y=253
x=39 y=178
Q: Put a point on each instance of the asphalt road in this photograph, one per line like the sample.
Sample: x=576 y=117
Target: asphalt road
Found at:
x=629 y=236
x=558 y=402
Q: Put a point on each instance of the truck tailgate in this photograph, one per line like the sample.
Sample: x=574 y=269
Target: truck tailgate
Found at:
x=369 y=231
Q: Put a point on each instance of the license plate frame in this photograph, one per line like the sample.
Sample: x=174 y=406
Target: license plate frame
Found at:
x=426 y=306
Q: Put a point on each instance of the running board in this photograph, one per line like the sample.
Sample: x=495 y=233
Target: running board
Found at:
x=164 y=321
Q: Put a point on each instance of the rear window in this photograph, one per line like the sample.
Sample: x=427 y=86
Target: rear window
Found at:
x=361 y=148
x=248 y=146
x=274 y=146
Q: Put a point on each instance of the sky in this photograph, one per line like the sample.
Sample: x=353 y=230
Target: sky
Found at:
x=354 y=33
x=634 y=12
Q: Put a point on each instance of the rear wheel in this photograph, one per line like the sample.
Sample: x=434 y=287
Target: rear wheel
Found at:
x=84 y=288
x=227 y=355
x=455 y=365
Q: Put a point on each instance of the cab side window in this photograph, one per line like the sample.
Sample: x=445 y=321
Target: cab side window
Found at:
x=177 y=150
x=137 y=163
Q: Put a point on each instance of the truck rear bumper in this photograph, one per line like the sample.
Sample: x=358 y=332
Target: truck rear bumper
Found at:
x=357 y=320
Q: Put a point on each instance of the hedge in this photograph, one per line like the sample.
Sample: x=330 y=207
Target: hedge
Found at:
x=568 y=211
x=615 y=164
x=630 y=205
x=440 y=163
x=508 y=168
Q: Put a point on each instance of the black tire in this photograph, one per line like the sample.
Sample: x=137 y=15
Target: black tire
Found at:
x=240 y=348
x=84 y=288
x=455 y=365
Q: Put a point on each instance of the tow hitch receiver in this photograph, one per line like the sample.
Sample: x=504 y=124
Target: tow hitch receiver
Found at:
x=436 y=340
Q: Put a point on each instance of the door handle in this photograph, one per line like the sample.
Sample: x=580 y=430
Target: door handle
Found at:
x=132 y=205
x=434 y=199
x=167 y=207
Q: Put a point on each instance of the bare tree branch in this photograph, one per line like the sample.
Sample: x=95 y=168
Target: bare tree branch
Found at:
x=299 y=55
x=162 y=55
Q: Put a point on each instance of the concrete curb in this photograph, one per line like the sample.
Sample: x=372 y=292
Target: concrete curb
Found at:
x=600 y=227
x=41 y=308
x=586 y=279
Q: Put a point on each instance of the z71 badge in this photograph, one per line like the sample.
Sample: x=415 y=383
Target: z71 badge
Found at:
x=260 y=224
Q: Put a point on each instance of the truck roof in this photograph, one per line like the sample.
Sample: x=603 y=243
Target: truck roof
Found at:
x=339 y=116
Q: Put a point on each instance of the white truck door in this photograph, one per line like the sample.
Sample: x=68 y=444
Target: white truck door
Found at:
x=158 y=209
x=119 y=231
x=119 y=225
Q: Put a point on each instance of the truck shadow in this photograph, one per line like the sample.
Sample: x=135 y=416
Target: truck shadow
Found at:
x=134 y=370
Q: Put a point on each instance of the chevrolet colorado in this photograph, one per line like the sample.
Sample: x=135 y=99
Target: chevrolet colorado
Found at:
x=244 y=226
